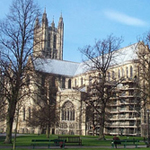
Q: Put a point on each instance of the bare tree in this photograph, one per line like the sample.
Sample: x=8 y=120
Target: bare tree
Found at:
x=2 y=100
x=144 y=67
x=44 y=115
x=16 y=42
x=143 y=70
x=100 y=88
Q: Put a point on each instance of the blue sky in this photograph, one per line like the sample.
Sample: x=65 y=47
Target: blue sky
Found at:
x=87 y=20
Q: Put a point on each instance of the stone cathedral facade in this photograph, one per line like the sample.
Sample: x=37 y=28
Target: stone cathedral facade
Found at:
x=72 y=80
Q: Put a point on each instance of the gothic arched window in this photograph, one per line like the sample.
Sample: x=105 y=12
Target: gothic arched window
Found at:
x=54 y=41
x=131 y=72
x=63 y=82
x=122 y=72
x=118 y=73
x=81 y=81
x=75 y=82
x=29 y=112
x=24 y=114
x=68 y=111
x=127 y=72
x=113 y=75
x=108 y=76
x=69 y=84
x=90 y=80
x=28 y=80
x=53 y=81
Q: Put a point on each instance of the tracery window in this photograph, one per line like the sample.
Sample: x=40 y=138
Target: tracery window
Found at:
x=68 y=111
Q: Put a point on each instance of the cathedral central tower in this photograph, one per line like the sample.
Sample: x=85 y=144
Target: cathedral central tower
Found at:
x=48 y=40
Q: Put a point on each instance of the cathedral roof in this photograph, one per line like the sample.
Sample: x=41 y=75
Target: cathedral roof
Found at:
x=67 y=68
x=125 y=55
x=120 y=57
x=58 y=67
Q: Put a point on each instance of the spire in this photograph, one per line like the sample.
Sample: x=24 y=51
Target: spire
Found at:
x=53 y=24
x=61 y=18
x=45 y=10
x=61 y=15
x=44 y=18
x=61 y=23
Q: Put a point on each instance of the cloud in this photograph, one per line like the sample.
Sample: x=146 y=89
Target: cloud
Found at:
x=123 y=18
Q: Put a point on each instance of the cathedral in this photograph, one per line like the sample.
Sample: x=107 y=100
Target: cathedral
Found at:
x=71 y=82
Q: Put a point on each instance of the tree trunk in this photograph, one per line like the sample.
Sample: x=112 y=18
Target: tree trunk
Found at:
x=101 y=132
x=15 y=136
x=48 y=131
x=102 y=122
x=9 y=124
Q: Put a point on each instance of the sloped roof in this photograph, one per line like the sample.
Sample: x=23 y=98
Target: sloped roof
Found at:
x=125 y=55
x=121 y=56
x=54 y=66
x=67 y=68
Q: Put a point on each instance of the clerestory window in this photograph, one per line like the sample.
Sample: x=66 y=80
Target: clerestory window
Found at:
x=69 y=84
x=131 y=72
x=81 y=81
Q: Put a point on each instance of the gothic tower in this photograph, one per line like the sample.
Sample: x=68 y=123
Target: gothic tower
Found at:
x=48 y=40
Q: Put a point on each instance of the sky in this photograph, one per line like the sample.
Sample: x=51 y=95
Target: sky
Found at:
x=88 y=20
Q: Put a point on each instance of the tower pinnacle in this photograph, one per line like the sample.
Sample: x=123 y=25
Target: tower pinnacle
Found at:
x=61 y=24
x=44 y=18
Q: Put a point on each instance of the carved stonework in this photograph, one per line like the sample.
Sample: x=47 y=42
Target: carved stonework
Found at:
x=72 y=125
x=63 y=125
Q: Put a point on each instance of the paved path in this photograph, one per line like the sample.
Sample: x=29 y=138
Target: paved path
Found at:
x=45 y=147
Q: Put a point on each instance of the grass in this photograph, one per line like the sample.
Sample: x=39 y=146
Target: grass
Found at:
x=25 y=140
x=80 y=149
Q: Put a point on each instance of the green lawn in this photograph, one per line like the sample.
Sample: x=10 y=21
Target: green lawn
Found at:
x=25 y=140
x=81 y=149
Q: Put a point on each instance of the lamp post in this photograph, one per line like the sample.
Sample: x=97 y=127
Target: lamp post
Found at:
x=148 y=128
